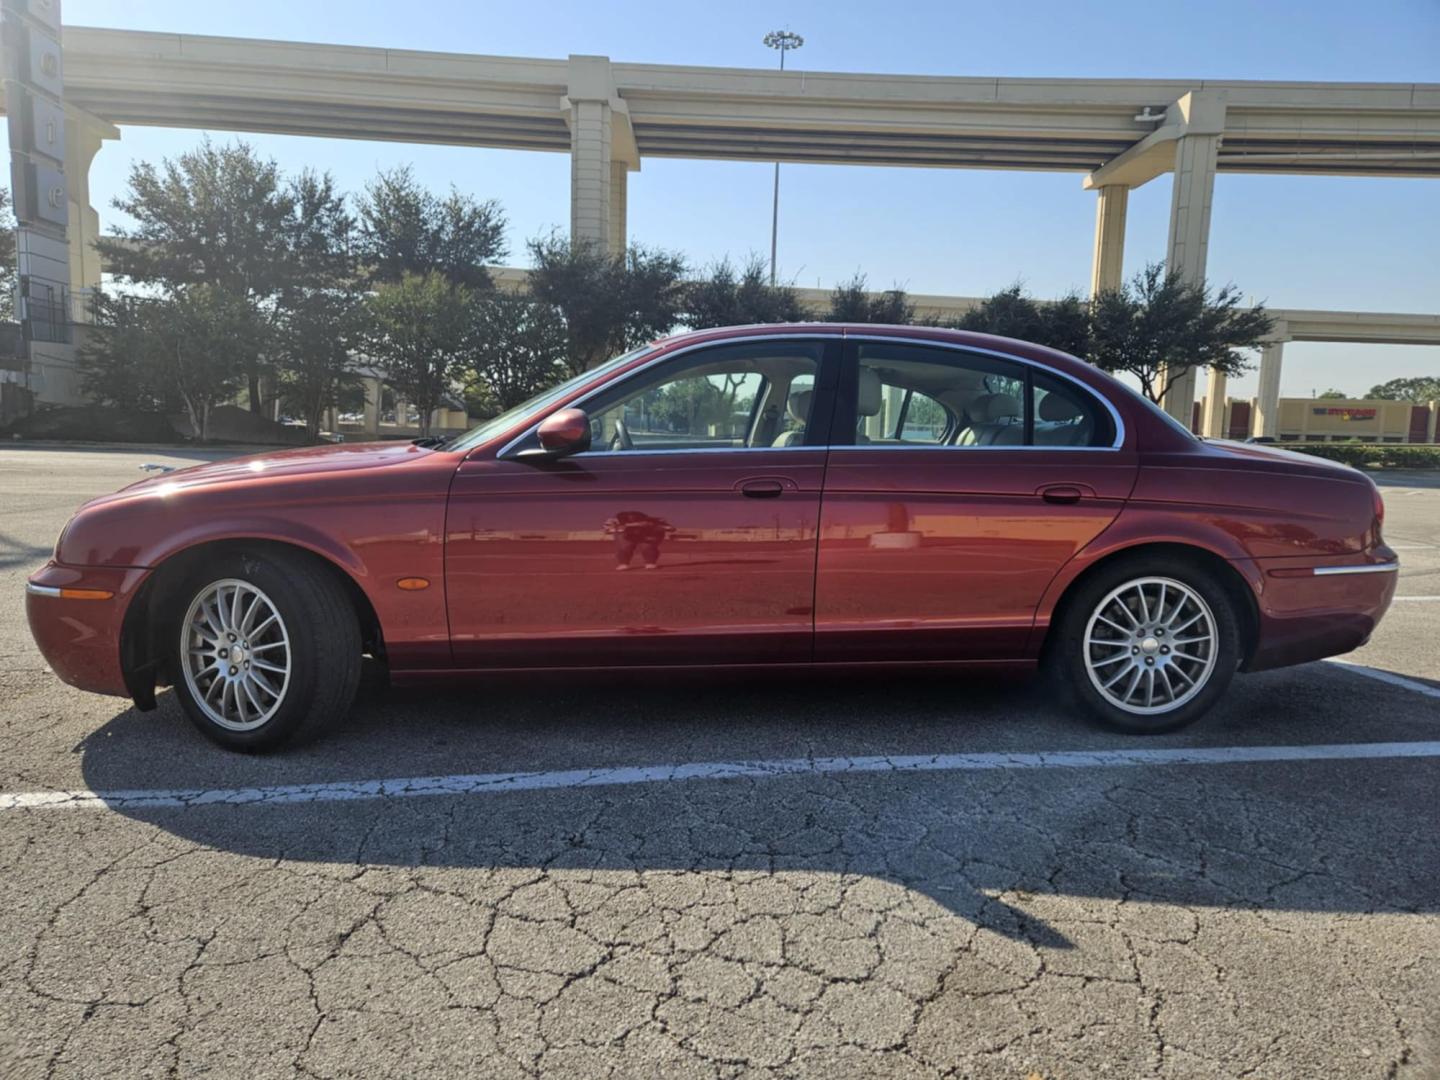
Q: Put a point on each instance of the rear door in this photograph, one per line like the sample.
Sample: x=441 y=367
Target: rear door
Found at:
x=958 y=484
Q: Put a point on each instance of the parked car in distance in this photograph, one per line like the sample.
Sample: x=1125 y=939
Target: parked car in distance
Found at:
x=755 y=497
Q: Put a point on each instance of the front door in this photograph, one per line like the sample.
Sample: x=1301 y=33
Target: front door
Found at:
x=685 y=535
x=954 y=504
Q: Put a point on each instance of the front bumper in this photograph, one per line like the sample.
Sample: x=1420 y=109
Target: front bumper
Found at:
x=1309 y=611
x=80 y=637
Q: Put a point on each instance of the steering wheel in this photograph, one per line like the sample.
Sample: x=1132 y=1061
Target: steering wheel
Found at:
x=621 y=439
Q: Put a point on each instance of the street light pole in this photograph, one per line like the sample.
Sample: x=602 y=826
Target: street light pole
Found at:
x=784 y=41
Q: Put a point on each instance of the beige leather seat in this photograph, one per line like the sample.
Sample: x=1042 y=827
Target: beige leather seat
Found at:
x=995 y=422
x=1063 y=423
x=798 y=406
x=868 y=401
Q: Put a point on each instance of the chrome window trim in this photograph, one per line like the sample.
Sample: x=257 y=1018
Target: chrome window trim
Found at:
x=41 y=590
x=1118 y=443
x=671 y=355
x=1366 y=568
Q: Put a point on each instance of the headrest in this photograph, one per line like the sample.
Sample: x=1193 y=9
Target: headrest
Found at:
x=798 y=405
x=868 y=403
x=1057 y=408
x=1002 y=407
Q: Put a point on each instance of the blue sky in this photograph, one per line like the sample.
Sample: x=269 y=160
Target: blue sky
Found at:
x=1293 y=241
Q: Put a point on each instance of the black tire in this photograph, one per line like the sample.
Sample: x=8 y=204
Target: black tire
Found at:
x=1072 y=656
x=322 y=648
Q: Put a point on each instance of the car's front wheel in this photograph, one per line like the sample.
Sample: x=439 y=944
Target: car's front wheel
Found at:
x=266 y=648
x=1149 y=645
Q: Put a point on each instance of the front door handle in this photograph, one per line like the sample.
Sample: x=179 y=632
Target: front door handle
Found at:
x=762 y=489
x=1064 y=494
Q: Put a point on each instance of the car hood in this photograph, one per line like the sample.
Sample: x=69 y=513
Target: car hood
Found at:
x=261 y=468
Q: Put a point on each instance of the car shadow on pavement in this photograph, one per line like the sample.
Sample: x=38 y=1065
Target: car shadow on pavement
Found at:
x=1324 y=835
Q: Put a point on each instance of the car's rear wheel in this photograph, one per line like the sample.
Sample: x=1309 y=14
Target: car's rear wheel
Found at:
x=1149 y=644
x=266 y=649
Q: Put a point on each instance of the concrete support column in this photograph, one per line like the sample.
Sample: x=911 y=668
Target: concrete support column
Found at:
x=1212 y=418
x=1266 y=420
x=590 y=173
x=1107 y=267
x=374 y=390
x=1191 y=197
x=84 y=135
x=619 y=182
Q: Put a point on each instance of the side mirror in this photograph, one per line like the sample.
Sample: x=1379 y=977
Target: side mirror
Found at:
x=561 y=434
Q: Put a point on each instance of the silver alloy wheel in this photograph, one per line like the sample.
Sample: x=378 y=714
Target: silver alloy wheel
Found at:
x=236 y=654
x=1150 y=645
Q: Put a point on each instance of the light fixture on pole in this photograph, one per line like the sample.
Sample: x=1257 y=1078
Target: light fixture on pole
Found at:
x=784 y=41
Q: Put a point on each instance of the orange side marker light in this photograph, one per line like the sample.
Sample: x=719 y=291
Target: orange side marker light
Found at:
x=413 y=584
x=86 y=594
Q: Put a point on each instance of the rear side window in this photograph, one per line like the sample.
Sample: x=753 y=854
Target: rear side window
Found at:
x=1065 y=415
x=908 y=394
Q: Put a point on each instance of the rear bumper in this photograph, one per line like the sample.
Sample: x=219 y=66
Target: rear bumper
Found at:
x=1311 y=609
x=80 y=638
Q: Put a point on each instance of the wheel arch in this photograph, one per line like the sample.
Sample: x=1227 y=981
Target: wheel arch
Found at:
x=142 y=652
x=1239 y=587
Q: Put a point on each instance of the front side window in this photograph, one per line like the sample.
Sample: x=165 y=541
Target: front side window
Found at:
x=747 y=396
x=916 y=395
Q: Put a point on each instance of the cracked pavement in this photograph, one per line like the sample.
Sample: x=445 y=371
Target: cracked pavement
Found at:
x=1262 y=919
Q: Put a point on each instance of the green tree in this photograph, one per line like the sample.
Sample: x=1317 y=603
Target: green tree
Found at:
x=727 y=297
x=145 y=352
x=1063 y=324
x=317 y=333
x=1156 y=328
x=406 y=229
x=1420 y=390
x=318 y=317
x=851 y=301
x=7 y=257
x=517 y=349
x=119 y=359
x=610 y=303
x=416 y=332
x=217 y=216
x=1332 y=395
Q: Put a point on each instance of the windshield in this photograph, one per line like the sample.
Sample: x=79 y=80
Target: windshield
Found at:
x=494 y=426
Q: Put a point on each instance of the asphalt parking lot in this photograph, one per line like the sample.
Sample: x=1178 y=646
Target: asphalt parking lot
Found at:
x=878 y=876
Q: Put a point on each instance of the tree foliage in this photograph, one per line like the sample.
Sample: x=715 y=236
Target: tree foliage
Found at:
x=1420 y=390
x=406 y=229
x=1063 y=324
x=415 y=332
x=517 y=349
x=7 y=256
x=1156 y=328
x=318 y=319
x=148 y=351
x=609 y=303
x=727 y=297
x=852 y=302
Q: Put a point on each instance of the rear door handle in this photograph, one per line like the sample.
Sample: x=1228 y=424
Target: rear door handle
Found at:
x=1062 y=493
x=762 y=489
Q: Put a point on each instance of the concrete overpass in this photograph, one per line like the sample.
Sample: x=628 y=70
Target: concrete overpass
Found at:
x=1291 y=324
x=608 y=116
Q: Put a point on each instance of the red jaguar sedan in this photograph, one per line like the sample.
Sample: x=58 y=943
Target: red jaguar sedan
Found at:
x=758 y=497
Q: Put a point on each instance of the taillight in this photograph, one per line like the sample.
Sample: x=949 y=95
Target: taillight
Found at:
x=1379 y=509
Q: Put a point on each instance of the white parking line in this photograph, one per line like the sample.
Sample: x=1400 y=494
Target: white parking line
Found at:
x=1388 y=677
x=499 y=783
x=1420 y=598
